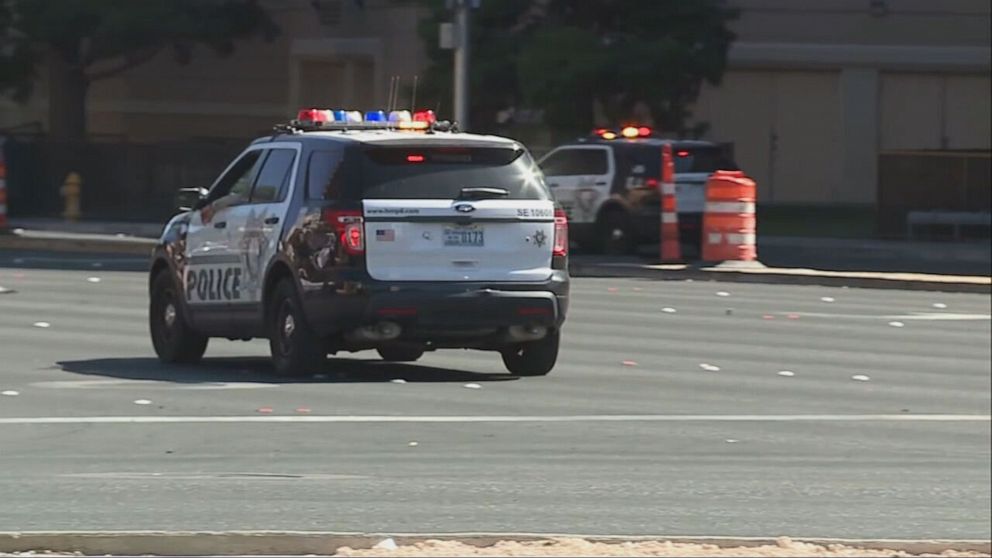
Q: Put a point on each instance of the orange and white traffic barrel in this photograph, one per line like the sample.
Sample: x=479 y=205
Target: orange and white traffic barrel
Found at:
x=729 y=222
x=3 y=189
x=671 y=249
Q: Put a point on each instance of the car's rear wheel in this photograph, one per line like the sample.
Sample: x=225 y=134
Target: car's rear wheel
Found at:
x=400 y=353
x=296 y=349
x=173 y=339
x=535 y=358
x=615 y=236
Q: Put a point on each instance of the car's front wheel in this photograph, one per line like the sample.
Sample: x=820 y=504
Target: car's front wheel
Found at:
x=296 y=349
x=615 y=236
x=535 y=358
x=173 y=339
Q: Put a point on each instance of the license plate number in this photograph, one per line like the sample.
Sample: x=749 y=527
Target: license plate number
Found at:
x=464 y=236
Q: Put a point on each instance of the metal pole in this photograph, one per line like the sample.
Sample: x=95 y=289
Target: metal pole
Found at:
x=462 y=9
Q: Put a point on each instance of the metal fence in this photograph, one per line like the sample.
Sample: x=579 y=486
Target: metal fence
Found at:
x=121 y=180
x=931 y=181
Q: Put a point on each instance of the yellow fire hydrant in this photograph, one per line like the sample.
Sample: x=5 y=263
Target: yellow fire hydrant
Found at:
x=71 y=192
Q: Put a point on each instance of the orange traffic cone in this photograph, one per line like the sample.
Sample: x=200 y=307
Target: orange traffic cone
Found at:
x=729 y=223
x=671 y=248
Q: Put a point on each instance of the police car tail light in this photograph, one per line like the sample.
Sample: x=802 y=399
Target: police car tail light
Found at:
x=561 y=234
x=354 y=238
x=349 y=226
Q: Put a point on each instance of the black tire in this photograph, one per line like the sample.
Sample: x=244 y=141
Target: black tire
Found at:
x=401 y=353
x=536 y=358
x=174 y=340
x=296 y=349
x=614 y=235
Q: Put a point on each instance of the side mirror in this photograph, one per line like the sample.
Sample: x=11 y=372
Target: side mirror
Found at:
x=190 y=198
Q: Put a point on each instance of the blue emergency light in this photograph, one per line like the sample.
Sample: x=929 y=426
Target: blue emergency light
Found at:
x=375 y=116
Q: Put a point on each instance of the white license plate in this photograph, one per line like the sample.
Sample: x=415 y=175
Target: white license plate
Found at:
x=464 y=236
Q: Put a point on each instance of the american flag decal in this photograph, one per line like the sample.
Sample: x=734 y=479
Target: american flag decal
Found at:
x=385 y=235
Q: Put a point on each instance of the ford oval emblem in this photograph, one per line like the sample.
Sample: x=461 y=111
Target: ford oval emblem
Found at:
x=464 y=208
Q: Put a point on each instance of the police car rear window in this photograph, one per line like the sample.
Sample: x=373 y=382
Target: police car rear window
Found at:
x=442 y=172
x=702 y=159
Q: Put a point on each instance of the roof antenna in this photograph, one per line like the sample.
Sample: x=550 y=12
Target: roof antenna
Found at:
x=389 y=99
x=413 y=98
x=396 y=93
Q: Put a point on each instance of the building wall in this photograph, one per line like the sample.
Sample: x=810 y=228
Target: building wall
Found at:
x=815 y=90
x=346 y=58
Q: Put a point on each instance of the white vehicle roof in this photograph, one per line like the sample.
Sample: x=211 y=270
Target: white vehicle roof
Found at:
x=386 y=137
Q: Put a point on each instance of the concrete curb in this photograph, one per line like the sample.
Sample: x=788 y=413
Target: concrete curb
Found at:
x=790 y=276
x=136 y=246
x=84 y=243
x=239 y=543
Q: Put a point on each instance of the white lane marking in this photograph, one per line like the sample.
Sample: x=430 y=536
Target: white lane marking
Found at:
x=148 y=384
x=941 y=316
x=924 y=316
x=45 y=259
x=211 y=476
x=476 y=419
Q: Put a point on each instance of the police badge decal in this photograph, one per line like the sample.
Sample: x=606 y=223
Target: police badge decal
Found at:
x=253 y=249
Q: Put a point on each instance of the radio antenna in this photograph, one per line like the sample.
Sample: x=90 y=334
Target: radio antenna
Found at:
x=413 y=97
x=393 y=87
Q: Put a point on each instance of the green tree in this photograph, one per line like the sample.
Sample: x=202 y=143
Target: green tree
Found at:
x=83 y=41
x=568 y=56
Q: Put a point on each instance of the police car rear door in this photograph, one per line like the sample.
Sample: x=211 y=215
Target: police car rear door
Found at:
x=258 y=224
x=456 y=214
x=580 y=177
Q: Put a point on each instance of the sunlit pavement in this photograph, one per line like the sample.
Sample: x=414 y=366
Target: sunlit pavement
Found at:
x=676 y=408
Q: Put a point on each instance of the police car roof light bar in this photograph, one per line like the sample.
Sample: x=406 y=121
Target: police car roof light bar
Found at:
x=315 y=119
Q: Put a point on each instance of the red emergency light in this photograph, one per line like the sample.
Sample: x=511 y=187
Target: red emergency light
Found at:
x=314 y=115
x=427 y=116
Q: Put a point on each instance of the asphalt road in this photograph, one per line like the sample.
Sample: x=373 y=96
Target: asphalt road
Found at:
x=629 y=435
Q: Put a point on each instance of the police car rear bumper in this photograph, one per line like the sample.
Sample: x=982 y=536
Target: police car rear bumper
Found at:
x=439 y=310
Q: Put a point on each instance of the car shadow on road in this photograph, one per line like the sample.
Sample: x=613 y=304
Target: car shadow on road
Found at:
x=259 y=369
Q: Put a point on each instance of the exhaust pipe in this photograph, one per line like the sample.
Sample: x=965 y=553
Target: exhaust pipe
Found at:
x=382 y=331
x=526 y=333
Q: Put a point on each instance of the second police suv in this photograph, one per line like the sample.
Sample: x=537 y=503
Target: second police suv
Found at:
x=348 y=232
x=609 y=185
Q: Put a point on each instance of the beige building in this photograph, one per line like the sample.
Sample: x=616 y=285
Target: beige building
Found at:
x=815 y=92
x=330 y=53
x=817 y=89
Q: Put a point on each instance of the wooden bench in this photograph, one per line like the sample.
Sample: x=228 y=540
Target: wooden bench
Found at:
x=955 y=219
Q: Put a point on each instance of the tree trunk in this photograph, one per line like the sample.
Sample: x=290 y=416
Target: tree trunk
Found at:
x=67 y=89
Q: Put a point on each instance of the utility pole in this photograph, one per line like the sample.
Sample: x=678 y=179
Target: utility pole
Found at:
x=462 y=37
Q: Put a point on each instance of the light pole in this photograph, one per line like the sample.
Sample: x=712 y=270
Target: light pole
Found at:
x=461 y=42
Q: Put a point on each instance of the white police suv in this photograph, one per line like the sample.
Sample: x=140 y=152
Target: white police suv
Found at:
x=609 y=185
x=348 y=232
